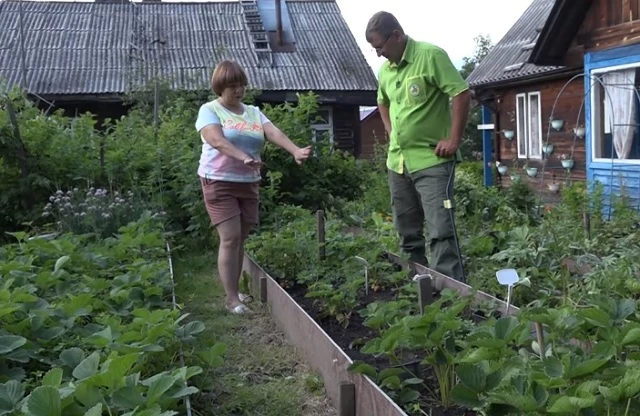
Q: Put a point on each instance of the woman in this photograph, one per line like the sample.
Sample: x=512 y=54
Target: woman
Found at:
x=233 y=136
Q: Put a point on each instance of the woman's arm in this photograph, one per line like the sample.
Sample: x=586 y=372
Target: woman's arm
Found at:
x=208 y=124
x=212 y=134
x=277 y=137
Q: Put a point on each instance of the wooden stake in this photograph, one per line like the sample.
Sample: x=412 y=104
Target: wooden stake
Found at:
x=263 y=289
x=586 y=217
x=347 y=399
x=425 y=291
x=540 y=336
x=320 y=234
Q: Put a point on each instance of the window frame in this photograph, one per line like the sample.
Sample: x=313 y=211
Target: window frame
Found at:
x=524 y=140
x=315 y=127
x=593 y=130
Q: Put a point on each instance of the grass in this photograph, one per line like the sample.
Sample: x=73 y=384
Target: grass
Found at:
x=262 y=374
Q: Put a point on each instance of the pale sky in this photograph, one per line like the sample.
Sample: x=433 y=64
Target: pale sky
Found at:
x=450 y=24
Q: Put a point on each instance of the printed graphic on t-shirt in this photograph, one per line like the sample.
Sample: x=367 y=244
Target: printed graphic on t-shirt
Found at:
x=244 y=131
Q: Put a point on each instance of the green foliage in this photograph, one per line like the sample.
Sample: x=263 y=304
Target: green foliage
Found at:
x=329 y=175
x=154 y=151
x=87 y=329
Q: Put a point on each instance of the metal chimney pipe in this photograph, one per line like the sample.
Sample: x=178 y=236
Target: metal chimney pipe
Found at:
x=279 y=23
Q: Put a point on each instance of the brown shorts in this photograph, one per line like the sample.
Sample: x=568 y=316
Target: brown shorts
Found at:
x=225 y=200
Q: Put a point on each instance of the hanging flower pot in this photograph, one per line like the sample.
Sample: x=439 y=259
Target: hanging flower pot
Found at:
x=567 y=163
x=579 y=131
x=508 y=134
x=557 y=124
x=547 y=149
x=503 y=169
x=532 y=172
x=515 y=178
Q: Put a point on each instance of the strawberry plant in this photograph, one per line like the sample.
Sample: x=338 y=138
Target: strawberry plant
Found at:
x=87 y=328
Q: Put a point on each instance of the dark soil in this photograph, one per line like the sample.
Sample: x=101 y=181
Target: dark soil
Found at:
x=356 y=335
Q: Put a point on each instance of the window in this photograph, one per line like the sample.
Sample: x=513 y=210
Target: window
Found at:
x=615 y=114
x=529 y=125
x=322 y=125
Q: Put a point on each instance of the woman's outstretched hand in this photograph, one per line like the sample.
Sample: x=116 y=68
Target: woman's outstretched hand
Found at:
x=302 y=154
x=251 y=162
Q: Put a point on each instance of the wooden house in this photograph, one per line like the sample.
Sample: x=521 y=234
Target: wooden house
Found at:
x=87 y=56
x=560 y=94
x=372 y=131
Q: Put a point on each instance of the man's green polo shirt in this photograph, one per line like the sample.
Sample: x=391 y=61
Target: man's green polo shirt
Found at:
x=417 y=92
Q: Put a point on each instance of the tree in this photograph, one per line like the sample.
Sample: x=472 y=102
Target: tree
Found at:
x=471 y=146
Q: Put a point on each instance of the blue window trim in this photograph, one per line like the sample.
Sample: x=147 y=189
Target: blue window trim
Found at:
x=623 y=55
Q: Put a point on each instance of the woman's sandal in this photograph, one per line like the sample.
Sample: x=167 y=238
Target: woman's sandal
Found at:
x=245 y=298
x=238 y=309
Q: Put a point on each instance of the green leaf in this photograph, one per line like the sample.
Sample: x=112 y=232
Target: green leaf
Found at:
x=117 y=369
x=88 y=393
x=472 y=376
x=596 y=317
x=102 y=338
x=413 y=381
x=9 y=343
x=72 y=357
x=127 y=397
x=60 y=262
x=53 y=378
x=88 y=367
x=633 y=336
x=566 y=404
x=158 y=388
x=359 y=367
x=390 y=372
x=586 y=367
x=185 y=391
x=464 y=396
x=95 y=410
x=44 y=401
x=11 y=392
x=408 y=396
x=506 y=327
x=553 y=367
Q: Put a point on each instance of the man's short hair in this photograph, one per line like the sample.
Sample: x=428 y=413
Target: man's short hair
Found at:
x=382 y=23
x=228 y=74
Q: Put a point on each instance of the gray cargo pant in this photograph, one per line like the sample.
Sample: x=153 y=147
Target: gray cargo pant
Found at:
x=420 y=197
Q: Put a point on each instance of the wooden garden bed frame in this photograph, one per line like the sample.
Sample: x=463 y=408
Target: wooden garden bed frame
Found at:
x=353 y=394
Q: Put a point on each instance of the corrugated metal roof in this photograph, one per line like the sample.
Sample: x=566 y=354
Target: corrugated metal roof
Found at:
x=95 y=48
x=508 y=59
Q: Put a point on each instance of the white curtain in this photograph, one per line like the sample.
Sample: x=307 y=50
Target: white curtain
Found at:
x=619 y=107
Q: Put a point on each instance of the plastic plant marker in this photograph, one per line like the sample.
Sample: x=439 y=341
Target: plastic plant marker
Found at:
x=508 y=278
x=366 y=273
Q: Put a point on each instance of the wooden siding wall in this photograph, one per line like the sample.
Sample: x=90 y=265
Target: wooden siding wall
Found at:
x=568 y=106
x=608 y=23
x=346 y=127
x=372 y=133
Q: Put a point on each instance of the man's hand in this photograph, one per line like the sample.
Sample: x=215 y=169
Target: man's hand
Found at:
x=447 y=147
x=302 y=154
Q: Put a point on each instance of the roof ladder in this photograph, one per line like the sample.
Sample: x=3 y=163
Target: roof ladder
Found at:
x=258 y=35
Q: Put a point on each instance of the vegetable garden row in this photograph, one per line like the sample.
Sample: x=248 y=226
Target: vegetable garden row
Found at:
x=88 y=327
x=578 y=287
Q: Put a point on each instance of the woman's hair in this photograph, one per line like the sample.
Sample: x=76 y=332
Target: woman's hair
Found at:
x=228 y=74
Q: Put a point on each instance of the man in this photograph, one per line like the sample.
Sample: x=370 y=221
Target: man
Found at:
x=425 y=128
